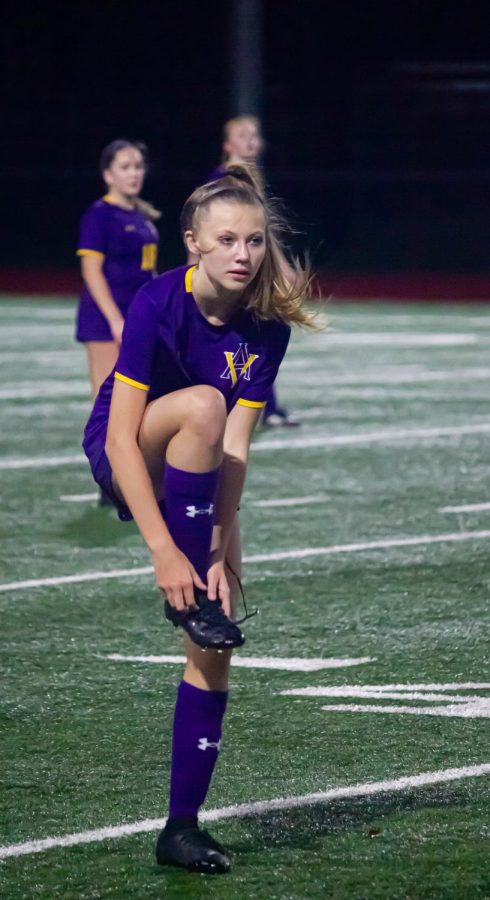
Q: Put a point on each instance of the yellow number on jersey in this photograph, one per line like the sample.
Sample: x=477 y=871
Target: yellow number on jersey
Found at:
x=148 y=257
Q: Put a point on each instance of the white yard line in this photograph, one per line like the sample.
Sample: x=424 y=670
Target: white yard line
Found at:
x=321 y=440
x=452 y=705
x=42 y=462
x=257 y=808
x=393 y=339
x=371 y=437
x=475 y=709
x=288 y=501
x=382 y=694
x=389 y=375
x=46 y=392
x=466 y=507
x=385 y=544
x=55 y=316
x=334 y=549
x=136 y=572
x=32 y=330
x=79 y=498
x=290 y=664
x=377 y=688
x=41 y=356
x=380 y=395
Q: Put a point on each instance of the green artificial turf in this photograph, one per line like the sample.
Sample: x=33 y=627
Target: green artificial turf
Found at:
x=86 y=740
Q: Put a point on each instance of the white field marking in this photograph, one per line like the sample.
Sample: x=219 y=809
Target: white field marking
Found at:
x=78 y=498
x=373 y=437
x=50 y=314
x=333 y=440
x=389 y=375
x=46 y=391
x=446 y=686
x=369 y=694
x=257 y=808
x=291 y=664
x=32 y=409
x=289 y=501
x=452 y=705
x=467 y=507
x=393 y=339
x=385 y=544
x=36 y=329
x=44 y=356
x=138 y=571
x=388 y=543
x=473 y=709
x=42 y=462
x=379 y=394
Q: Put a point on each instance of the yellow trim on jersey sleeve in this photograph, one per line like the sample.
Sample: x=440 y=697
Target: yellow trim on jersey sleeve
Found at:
x=188 y=279
x=131 y=381
x=95 y=253
x=254 y=404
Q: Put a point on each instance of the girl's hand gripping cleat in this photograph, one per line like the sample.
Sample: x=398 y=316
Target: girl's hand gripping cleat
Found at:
x=207 y=625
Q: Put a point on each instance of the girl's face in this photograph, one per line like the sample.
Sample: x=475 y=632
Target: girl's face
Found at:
x=243 y=142
x=230 y=239
x=126 y=173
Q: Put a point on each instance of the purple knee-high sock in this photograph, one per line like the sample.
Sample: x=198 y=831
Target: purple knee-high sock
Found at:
x=189 y=513
x=196 y=744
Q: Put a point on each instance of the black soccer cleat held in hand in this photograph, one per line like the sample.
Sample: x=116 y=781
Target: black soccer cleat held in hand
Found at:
x=191 y=848
x=207 y=625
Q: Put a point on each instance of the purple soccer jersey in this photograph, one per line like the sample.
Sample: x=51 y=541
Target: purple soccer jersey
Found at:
x=168 y=344
x=127 y=242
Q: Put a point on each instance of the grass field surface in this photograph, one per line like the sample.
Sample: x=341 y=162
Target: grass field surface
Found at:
x=356 y=758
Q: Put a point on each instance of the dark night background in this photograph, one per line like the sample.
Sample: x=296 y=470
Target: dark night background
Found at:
x=376 y=117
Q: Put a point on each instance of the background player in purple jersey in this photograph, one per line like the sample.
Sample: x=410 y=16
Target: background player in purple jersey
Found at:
x=118 y=245
x=169 y=438
x=243 y=143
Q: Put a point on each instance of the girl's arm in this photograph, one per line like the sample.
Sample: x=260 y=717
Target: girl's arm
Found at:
x=174 y=574
x=239 y=428
x=96 y=282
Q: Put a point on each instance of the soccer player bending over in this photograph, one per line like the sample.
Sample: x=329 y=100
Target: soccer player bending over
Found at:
x=168 y=440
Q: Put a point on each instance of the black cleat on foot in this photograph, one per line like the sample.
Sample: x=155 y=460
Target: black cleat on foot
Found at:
x=191 y=848
x=207 y=625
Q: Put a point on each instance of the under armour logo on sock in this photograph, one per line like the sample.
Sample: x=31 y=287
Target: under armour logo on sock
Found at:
x=193 y=511
x=204 y=744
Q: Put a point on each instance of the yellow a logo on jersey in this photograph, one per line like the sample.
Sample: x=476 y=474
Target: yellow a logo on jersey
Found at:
x=238 y=364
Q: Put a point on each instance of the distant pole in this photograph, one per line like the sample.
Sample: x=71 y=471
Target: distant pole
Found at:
x=246 y=42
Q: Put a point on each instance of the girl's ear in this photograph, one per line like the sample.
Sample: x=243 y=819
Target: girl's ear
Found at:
x=191 y=244
x=107 y=176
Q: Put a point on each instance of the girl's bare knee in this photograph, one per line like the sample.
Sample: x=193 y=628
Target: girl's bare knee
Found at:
x=206 y=413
